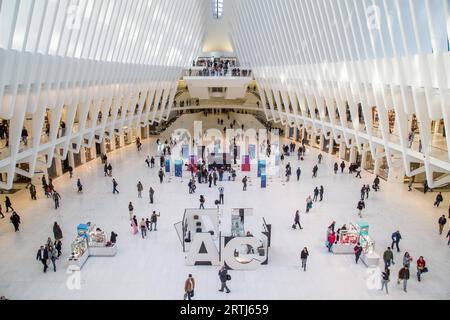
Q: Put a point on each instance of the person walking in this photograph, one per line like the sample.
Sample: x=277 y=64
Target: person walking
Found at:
x=130 y=210
x=152 y=163
x=189 y=287
x=202 y=202
x=58 y=247
x=396 y=237
x=143 y=227
x=342 y=166
x=215 y=177
x=210 y=179
x=331 y=240
x=105 y=169
x=221 y=195
x=304 y=257
x=403 y=275
x=336 y=168
x=363 y=192
x=315 y=169
x=421 y=267
x=367 y=191
x=32 y=189
x=1 y=212
x=319 y=158
x=56 y=198
x=52 y=255
x=388 y=257
x=109 y=168
x=448 y=236
x=244 y=182
x=140 y=188
x=57 y=232
x=297 y=220
x=357 y=250
x=79 y=186
x=70 y=172
x=442 y=221
x=42 y=256
x=161 y=175
x=410 y=184
x=224 y=277
x=439 y=199
x=316 y=194
x=376 y=184
x=151 y=193
x=115 y=184
x=147 y=223
x=358 y=173
x=321 y=191
x=309 y=203
x=15 y=220
x=361 y=205
x=299 y=172
x=8 y=204
x=154 y=220
x=407 y=260
x=385 y=279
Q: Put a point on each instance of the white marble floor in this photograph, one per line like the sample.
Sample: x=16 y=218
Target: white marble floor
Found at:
x=154 y=268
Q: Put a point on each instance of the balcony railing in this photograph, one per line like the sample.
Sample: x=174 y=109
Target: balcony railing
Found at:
x=215 y=72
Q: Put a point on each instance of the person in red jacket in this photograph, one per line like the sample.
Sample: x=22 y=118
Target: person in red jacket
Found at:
x=331 y=240
x=421 y=267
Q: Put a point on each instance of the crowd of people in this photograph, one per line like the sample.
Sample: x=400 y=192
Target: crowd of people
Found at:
x=200 y=173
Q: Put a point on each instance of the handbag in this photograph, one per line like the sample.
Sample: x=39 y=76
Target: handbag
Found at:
x=425 y=270
x=228 y=277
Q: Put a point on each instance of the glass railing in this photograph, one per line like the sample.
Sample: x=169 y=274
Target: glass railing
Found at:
x=216 y=72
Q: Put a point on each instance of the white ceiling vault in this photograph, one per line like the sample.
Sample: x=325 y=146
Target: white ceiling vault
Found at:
x=80 y=58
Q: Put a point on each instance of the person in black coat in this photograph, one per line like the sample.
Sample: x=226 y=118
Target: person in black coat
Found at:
x=113 y=237
x=58 y=247
x=223 y=276
x=8 y=204
x=297 y=220
x=57 y=232
x=304 y=257
x=358 y=250
x=15 y=220
x=42 y=256
x=439 y=199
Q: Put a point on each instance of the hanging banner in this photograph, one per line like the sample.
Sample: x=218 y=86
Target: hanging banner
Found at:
x=193 y=163
x=178 y=168
x=185 y=151
x=261 y=167
x=252 y=151
x=167 y=166
x=245 y=163
x=263 y=181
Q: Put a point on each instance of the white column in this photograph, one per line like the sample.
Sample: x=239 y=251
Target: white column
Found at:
x=58 y=167
x=378 y=162
x=103 y=147
x=321 y=142
x=122 y=140
x=342 y=148
x=331 y=145
x=397 y=170
x=71 y=159
x=353 y=154
x=83 y=155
